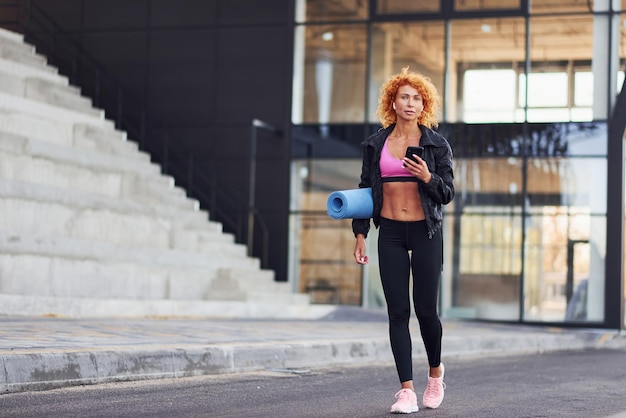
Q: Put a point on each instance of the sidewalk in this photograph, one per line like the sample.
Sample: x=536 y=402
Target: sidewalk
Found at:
x=45 y=353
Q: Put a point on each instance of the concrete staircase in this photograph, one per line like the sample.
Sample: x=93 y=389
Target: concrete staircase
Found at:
x=90 y=227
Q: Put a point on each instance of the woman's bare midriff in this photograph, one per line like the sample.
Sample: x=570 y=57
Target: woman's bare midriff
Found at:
x=401 y=202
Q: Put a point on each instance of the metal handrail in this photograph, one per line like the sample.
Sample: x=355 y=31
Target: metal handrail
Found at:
x=130 y=115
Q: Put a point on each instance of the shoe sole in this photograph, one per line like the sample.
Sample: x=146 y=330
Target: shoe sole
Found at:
x=405 y=412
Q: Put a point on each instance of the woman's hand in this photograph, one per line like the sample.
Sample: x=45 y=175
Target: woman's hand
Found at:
x=417 y=168
x=359 y=250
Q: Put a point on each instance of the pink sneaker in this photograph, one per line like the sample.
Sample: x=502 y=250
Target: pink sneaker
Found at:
x=407 y=402
x=433 y=395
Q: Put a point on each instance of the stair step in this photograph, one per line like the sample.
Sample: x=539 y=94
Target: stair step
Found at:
x=24 y=54
x=28 y=125
x=29 y=208
x=67 y=97
x=126 y=308
x=106 y=141
x=86 y=158
x=70 y=248
x=60 y=266
x=36 y=161
x=48 y=112
x=23 y=71
x=7 y=35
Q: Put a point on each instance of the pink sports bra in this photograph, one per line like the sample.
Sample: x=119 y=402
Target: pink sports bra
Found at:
x=391 y=168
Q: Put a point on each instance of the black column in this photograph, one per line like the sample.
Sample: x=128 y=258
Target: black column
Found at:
x=614 y=286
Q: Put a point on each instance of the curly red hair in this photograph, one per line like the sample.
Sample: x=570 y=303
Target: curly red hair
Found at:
x=428 y=91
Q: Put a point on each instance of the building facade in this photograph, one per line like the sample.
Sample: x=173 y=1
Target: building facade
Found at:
x=534 y=234
x=530 y=107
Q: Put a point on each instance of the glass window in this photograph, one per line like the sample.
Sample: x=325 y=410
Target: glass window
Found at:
x=487 y=285
x=565 y=235
x=534 y=188
x=560 y=85
x=564 y=265
x=493 y=104
x=539 y=83
x=403 y=6
x=321 y=254
x=330 y=10
x=466 y=5
x=583 y=88
x=420 y=46
x=570 y=182
x=484 y=57
x=486 y=139
x=329 y=78
x=487 y=280
x=560 y=6
x=567 y=139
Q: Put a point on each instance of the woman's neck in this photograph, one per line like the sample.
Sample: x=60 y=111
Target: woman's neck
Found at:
x=406 y=130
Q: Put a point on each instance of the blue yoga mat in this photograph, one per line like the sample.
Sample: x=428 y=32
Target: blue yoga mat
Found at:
x=353 y=203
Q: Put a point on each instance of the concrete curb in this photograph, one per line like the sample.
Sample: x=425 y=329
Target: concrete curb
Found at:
x=43 y=370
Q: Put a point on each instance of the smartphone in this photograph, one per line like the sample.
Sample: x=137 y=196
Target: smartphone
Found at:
x=419 y=151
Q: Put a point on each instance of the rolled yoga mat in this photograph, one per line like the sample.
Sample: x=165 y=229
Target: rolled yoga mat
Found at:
x=353 y=203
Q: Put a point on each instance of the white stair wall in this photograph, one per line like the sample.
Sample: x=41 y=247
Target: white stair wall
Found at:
x=85 y=215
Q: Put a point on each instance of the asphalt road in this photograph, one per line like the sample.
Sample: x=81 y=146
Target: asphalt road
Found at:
x=589 y=383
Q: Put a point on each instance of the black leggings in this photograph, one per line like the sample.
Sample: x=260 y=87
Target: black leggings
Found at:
x=395 y=240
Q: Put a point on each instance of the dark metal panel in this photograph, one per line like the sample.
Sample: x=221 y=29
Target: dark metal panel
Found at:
x=200 y=140
x=67 y=13
x=183 y=13
x=116 y=14
x=252 y=70
x=254 y=12
x=127 y=64
x=181 y=68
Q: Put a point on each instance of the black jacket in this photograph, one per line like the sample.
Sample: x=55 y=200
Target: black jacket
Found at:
x=440 y=190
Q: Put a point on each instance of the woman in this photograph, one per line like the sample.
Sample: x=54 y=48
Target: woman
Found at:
x=408 y=195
